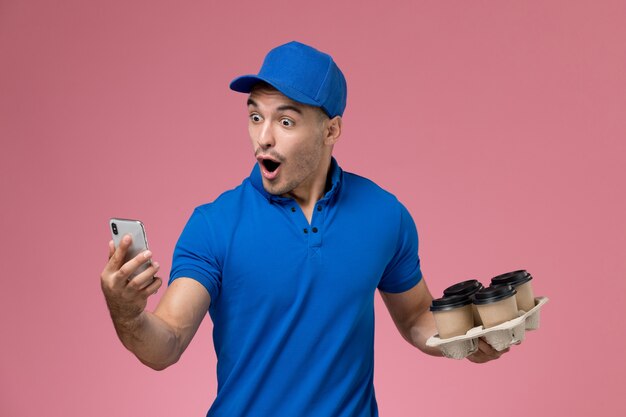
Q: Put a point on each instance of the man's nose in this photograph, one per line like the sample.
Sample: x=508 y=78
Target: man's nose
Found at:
x=266 y=136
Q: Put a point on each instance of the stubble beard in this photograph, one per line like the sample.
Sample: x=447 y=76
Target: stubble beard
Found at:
x=303 y=168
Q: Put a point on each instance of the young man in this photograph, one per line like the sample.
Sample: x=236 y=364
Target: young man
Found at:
x=287 y=263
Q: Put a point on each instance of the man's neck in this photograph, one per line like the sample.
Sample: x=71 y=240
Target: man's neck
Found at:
x=310 y=192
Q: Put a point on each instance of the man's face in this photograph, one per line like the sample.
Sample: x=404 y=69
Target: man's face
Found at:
x=288 y=141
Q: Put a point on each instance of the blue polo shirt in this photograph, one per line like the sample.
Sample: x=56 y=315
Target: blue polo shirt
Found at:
x=292 y=303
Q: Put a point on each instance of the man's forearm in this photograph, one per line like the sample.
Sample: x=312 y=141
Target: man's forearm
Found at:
x=151 y=339
x=418 y=332
x=410 y=311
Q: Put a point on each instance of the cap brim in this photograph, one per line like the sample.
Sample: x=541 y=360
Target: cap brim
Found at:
x=245 y=83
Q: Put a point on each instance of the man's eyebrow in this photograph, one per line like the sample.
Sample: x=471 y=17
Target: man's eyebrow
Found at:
x=284 y=107
x=289 y=107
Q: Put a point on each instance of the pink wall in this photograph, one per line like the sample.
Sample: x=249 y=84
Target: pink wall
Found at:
x=501 y=125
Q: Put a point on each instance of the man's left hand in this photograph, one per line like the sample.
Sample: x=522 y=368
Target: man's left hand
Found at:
x=485 y=353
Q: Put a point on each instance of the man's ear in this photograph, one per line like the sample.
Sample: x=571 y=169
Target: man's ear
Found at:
x=333 y=130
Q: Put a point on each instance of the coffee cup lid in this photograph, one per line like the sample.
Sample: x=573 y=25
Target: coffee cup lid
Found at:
x=515 y=278
x=450 y=303
x=493 y=293
x=468 y=287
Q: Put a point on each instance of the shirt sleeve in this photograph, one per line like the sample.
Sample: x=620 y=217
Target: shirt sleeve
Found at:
x=403 y=272
x=195 y=254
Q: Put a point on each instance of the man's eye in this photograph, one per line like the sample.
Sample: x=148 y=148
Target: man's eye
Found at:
x=255 y=118
x=286 y=122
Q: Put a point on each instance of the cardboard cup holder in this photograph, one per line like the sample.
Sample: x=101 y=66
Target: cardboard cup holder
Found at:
x=499 y=337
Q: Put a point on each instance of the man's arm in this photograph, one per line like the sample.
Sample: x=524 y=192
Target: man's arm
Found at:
x=157 y=339
x=410 y=311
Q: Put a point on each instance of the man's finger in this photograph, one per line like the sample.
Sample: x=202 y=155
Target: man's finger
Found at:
x=117 y=259
x=489 y=350
x=485 y=352
x=142 y=280
x=154 y=287
x=486 y=348
x=126 y=270
x=111 y=248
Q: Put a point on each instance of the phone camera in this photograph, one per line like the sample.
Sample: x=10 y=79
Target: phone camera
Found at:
x=114 y=228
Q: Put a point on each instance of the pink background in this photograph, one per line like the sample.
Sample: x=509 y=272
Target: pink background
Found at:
x=501 y=125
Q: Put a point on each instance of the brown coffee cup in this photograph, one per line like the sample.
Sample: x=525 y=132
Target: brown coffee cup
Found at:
x=453 y=315
x=496 y=305
x=520 y=280
x=468 y=289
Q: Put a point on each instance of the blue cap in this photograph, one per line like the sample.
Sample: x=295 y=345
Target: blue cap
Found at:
x=303 y=74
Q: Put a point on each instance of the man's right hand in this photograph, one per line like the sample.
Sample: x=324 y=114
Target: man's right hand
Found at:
x=127 y=298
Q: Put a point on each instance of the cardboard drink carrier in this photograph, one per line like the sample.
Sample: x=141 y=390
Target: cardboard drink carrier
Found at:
x=499 y=337
x=522 y=313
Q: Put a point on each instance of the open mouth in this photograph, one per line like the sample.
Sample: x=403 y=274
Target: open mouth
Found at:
x=270 y=165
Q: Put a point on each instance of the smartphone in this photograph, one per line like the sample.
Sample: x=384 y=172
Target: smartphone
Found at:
x=120 y=228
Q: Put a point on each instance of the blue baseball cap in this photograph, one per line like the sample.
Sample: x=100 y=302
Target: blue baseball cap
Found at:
x=303 y=74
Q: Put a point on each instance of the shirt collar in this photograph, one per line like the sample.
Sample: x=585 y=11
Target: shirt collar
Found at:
x=335 y=175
